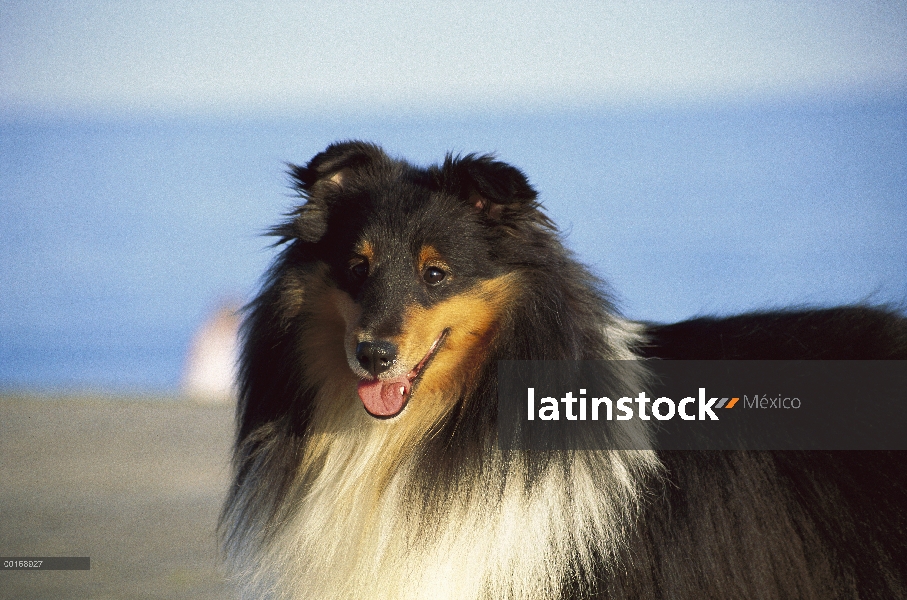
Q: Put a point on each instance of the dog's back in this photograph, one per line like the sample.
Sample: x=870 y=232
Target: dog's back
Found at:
x=777 y=524
x=845 y=333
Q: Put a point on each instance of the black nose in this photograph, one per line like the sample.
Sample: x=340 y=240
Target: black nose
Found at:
x=376 y=357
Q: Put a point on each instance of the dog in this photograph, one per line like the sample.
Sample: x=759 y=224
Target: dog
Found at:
x=365 y=463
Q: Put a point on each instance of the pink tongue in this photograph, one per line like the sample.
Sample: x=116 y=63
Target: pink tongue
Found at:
x=384 y=398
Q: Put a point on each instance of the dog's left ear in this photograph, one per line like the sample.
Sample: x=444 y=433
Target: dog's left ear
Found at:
x=493 y=188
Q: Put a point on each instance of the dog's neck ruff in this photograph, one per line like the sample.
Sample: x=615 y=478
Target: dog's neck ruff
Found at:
x=359 y=524
x=346 y=539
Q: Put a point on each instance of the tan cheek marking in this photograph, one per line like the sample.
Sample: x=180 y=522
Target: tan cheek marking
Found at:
x=473 y=319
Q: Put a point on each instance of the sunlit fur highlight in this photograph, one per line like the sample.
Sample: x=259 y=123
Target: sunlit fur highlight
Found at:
x=353 y=539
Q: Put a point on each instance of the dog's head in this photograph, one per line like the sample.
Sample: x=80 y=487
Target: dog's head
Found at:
x=417 y=268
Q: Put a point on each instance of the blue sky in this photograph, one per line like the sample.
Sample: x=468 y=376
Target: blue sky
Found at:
x=702 y=157
x=204 y=57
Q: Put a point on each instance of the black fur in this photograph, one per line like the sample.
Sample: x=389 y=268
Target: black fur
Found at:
x=716 y=525
x=784 y=524
x=846 y=333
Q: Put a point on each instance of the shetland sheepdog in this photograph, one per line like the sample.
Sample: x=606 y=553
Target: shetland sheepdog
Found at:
x=366 y=464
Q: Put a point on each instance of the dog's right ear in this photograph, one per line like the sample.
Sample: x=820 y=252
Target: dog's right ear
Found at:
x=317 y=182
x=335 y=165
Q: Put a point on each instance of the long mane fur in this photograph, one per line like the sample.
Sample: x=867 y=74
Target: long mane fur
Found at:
x=451 y=515
x=329 y=502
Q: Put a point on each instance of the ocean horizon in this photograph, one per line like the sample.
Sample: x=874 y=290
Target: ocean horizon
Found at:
x=120 y=236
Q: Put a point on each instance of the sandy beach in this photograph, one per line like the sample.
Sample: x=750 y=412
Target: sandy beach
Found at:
x=135 y=484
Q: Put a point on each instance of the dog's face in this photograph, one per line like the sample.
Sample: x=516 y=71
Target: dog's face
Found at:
x=414 y=284
x=420 y=296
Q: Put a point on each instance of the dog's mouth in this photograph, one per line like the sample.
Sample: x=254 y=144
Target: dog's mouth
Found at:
x=386 y=398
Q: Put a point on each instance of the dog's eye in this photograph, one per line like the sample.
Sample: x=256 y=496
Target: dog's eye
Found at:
x=433 y=275
x=359 y=270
